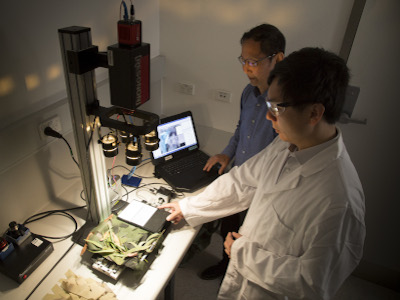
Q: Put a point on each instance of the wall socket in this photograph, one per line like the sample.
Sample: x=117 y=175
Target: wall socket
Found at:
x=54 y=123
x=224 y=96
x=186 y=88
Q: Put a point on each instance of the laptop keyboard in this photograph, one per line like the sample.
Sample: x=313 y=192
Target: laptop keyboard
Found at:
x=186 y=163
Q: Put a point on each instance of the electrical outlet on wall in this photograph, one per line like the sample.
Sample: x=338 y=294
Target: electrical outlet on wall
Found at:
x=186 y=88
x=54 y=123
x=224 y=96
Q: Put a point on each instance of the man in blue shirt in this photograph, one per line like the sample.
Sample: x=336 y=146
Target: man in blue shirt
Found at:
x=262 y=47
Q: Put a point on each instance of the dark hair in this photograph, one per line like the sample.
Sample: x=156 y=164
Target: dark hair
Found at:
x=271 y=39
x=313 y=75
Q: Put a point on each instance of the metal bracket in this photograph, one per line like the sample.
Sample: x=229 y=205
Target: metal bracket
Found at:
x=345 y=119
x=83 y=61
x=350 y=100
x=150 y=120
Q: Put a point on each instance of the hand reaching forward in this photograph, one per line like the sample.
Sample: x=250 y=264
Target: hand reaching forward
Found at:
x=223 y=159
x=175 y=212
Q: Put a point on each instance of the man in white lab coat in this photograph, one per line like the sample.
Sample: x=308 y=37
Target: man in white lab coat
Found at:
x=304 y=231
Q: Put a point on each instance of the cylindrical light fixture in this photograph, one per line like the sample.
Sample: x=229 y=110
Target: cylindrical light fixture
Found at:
x=125 y=136
x=133 y=152
x=110 y=145
x=151 y=141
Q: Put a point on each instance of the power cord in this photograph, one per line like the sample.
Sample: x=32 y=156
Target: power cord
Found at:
x=62 y=212
x=137 y=167
x=51 y=132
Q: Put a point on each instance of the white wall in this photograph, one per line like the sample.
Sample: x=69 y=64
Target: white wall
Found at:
x=31 y=71
x=32 y=89
x=200 y=40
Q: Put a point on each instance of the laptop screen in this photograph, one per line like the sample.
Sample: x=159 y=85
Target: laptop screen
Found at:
x=174 y=136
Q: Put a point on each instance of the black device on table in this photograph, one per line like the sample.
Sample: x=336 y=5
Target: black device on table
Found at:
x=22 y=252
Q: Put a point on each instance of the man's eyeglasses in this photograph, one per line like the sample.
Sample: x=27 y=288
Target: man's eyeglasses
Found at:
x=277 y=109
x=252 y=62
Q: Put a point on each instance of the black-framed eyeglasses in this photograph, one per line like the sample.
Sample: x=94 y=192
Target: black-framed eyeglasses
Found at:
x=278 y=109
x=252 y=62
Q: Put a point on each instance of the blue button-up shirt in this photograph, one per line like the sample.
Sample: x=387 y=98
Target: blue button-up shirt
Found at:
x=253 y=132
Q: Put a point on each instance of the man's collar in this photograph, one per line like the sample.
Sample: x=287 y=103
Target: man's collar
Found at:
x=304 y=155
x=257 y=93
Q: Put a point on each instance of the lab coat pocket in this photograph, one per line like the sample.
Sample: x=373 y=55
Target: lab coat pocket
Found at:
x=279 y=236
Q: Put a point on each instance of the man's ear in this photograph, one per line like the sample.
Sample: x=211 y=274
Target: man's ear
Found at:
x=279 y=56
x=316 y=113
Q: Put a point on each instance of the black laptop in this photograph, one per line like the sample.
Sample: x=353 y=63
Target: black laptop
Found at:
x=179 y=160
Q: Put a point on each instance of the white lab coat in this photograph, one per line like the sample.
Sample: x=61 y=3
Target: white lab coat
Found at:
x=302 y=237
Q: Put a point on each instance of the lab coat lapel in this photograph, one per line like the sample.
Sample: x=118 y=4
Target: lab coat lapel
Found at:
x=314 y=165
x=275 y=170
x=290 y=182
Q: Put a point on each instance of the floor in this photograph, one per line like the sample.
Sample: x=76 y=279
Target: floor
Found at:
x=189 y=286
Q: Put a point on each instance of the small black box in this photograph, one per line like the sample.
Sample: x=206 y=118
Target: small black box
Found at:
x=26 y=258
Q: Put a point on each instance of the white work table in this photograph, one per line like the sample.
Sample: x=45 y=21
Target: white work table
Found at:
x=66 y=255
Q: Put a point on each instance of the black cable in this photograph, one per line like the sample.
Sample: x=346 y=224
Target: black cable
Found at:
x=62 y=212
x=139 y=166
x=70 y=150
x=61 y=237
x=127 y=192
x=90 y=138
x=119 y=166
x=82 y=196
x=27 y=221
x=153 y=183
x=51 y=132
x=126 y=121
x=143 y=164
x=132 y=11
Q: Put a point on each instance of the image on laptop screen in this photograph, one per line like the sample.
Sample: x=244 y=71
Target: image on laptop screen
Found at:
x=174 y=136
